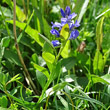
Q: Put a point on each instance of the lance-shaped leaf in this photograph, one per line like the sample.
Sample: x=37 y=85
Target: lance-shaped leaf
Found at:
x=30 y=31
x=99 y=33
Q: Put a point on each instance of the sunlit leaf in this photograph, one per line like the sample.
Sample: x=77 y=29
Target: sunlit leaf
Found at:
x=65 y=32
x=96 y=79
x=41 y=69
x=32 y=32
x=5 y=41
x=48 y=57
x=66 y=50
x=65 y=45
x=98 y=62
x=99 y=33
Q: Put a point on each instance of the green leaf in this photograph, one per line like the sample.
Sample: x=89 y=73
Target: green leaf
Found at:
x=91 y=100
x=64 y=102
x=106 y=42
x=108 y=89
x=4 y=101
x=41 y=69
x=106 y=77
x=43 y=24
x=56 y=88
x=97 y=79
x=56 y=70
x=15 y=78
x=98 y=62
x=1 y=51
x=65 y=32
x=48 y=57
x=65 y=44
x=34 y=58
x=68 y=63
x=21 y=35
x=5 y=42
x=12 y=57
x=32 y=32
x=59 y=86
x=3 y=78
x=47 y=41
x=28 y=91
x=82 y=58
x=41 y=78
x=66 y=50
x=4 y=108
x=21 y=16
x=47 y=48
x=99 y=33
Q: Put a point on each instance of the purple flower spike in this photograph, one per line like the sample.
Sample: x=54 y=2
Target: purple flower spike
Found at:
x=55 y=43
x=55 y=32
x=67 y=18
x=62 y=12
x=74 y=35
x=67 y=11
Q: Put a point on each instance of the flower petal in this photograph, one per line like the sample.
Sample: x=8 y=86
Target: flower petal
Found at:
x=67 y=11
x=62 y=12
x=71 y=26
x=55 y=32
x=56 y=24
x=63 y=21
x=74 y=35
x=55 y=43
x=77 y=24
x=71 y=16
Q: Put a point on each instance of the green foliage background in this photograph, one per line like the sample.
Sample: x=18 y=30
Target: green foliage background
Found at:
x=72 y=80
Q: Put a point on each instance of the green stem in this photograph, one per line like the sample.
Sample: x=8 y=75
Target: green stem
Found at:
x=26 y=73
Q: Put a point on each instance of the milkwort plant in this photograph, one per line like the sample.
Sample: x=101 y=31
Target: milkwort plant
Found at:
x=67 y=18
x=64 y=32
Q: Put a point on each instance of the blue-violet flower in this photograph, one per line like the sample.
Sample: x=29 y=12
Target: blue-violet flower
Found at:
x=55 y=32
x=67 y=19
x=74 y=34
x=55 y=43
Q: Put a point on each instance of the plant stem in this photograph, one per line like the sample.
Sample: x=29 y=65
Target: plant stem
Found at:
x=26 y=73
x=24 y=7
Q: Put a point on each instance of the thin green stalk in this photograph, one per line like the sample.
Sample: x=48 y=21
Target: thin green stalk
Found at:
x=26 y=73
x=27 y=7
x=69 y=99
x=24 y=6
